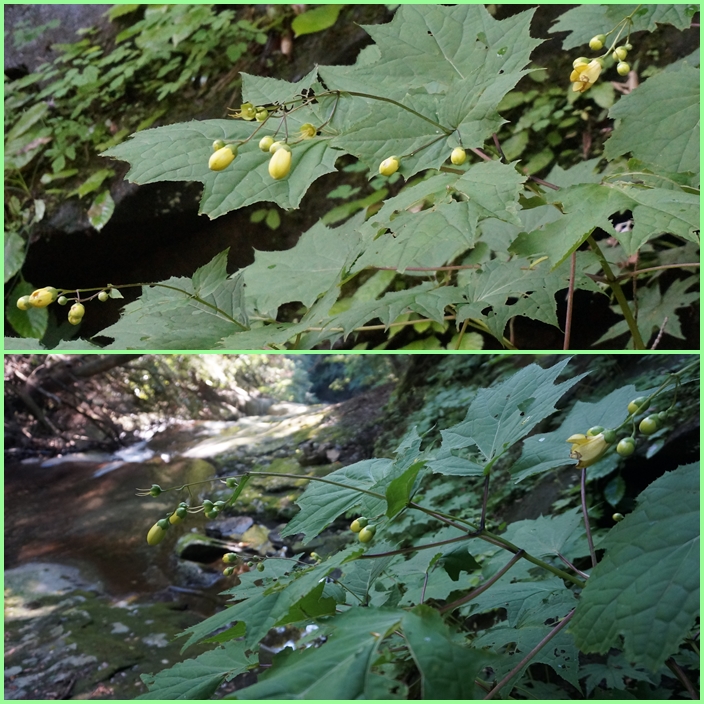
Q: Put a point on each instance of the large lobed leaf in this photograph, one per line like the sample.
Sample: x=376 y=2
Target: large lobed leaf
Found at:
x=659 y=122
x=322 y=503
x=473 y=60
x=644 y=594
x=506 y=412
x=447 y=669
x=180 y=152
x=340 y=668
x=167 y=316
x=547 y=451
x=199 y=677
x=585 y=21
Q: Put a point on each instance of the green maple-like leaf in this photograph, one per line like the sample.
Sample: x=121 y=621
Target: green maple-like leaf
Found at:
x=585 y=21
x=585 y=207
x=658 y=310
x=199 y=677
x=658 y=211
x=322 y=503
x=550 y=535
x=304 y=272
x=452 y=65
x=439 y=657
x=508 y=411
x=659 y=122
x=180 y=153
x=645 y=591
x=338 y=669
x=167 y=316
x=588 y=206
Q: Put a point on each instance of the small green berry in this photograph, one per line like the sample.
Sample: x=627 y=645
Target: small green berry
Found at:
x=626 y=447
x=637 y=405
x=260 y=567
x=228 y=571
x=648 y=425
x=155 y=490
x=623 y=69
x=103 y=296
x=595 y=430
x=597 y=42
x=618 y=517
x=230 y=557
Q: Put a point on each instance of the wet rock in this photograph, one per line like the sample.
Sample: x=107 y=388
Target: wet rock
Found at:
x=235 y=527
x=195 y=547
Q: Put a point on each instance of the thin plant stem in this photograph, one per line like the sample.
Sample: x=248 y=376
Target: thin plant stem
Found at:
x=530 y=656
x=583 y=491
x=454 y=267
x=485 y=499
x=570 y=301
x=637 y=272
x=619 y=295
x=462 y=331
x=476 y=592
x=682 y=677
x=414 y=548
x=572 y=567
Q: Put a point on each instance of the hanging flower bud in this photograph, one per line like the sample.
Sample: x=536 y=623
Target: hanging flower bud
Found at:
x=222 y=158
x=280 y=164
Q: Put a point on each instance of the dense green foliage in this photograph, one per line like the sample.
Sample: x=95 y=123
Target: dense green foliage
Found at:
x=473 y=246
x=438 y=591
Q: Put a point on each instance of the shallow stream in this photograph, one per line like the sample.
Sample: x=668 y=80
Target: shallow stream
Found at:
x=88 y=604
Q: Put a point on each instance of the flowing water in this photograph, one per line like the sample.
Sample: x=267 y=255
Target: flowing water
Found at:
x=88 y=604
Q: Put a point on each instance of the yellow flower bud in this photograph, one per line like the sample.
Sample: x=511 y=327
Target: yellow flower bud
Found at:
x=597 y=42
x=388 y=166
x=23 y=303
x=41 y=298
x=222 y=158
x=75 y=313
x=280 y=164
x=458 y=156
x=155 y=535
x=265 y=143
x=587 y=449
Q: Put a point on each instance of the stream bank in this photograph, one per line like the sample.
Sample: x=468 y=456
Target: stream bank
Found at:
x=89 y=606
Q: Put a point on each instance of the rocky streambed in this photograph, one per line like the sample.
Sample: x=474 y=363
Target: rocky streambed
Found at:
x=89 y=606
